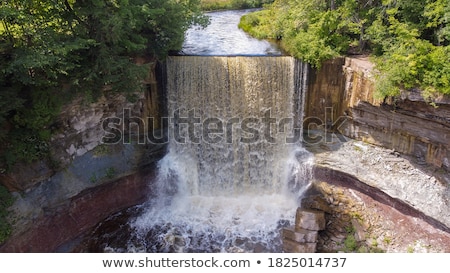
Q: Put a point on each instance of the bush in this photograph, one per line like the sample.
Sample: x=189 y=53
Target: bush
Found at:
x=47 y=46
x=409 y=39
x=210 y=5
x=350 y=243
x=255 y=24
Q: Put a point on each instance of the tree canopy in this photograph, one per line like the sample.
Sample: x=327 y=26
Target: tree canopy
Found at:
x=232 y=4
x=53 y=49
x=409 y=39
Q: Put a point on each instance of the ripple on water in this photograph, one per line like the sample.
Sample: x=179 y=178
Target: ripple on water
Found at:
x=223 y=37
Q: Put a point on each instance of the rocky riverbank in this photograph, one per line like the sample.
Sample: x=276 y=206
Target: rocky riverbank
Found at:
x=377 y=200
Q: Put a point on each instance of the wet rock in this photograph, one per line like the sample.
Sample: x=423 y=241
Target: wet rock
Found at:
x=376 y=226
x=81 y=213
x=360 y=234
x=300 y=236
x=316 y=202
x=294 y=247
x=309 y=219
x=402 y=141
x=336 y=236
x=303 y=236
x=24 y=176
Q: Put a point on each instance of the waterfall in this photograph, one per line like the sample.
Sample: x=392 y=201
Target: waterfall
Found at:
x=235 y=166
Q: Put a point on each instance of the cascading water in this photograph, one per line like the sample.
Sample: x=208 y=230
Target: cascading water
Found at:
x=235 y=168
x=233 y=173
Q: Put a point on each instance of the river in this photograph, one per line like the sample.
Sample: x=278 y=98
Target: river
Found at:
x=223 y=37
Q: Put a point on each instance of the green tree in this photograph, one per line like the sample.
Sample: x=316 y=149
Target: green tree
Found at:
x=52 y=50
x=408 y=39
x=438 y=15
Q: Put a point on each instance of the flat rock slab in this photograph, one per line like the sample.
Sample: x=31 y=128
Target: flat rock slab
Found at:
x=309 y=219
x=294 y=247
x=300 y=236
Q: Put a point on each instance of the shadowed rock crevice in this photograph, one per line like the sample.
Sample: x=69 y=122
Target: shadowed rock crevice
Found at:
x=81 y=213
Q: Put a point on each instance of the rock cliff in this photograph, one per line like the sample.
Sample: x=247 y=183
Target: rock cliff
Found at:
x=87 y=179
x=414 y=134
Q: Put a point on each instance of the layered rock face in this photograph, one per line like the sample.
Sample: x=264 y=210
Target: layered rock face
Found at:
x=55 y=203
x=302 y=237
x=82 y=126
x=415 y=135
x=341 y=94
x=78 y=214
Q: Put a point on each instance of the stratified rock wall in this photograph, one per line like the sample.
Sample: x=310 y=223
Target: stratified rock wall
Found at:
x=342 y=95
x=80 y=128
x=83 y=169
x=80 y=213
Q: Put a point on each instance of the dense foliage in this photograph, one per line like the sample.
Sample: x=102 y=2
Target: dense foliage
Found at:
x=409 y=39
x=209 y=5
x=51 y=50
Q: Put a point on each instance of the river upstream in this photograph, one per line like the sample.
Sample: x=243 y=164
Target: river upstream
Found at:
x=223 y=37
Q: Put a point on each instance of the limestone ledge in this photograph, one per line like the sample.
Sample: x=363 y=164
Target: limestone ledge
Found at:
x=342 y=94
x=400 y=146
x=85 y=172
x=58 y=227
x=423 y=188
x=79 y=130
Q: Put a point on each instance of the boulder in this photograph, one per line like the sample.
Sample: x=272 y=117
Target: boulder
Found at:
x=300 y=236
x=309 y=219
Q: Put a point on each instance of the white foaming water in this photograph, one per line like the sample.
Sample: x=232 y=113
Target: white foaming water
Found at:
x=231 y=195
x=242 y=222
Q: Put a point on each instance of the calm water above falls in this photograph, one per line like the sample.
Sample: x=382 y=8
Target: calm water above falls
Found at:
x=223 y=37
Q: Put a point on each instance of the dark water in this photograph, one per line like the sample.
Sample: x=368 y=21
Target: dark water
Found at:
x=223 y=37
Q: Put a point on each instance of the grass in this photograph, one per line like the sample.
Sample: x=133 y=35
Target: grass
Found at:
x=210 y=5
x=110 y=173
x=214 y=2
x=93 y=179
x=410 y=249
x=350 y=243
x=101 y=150
x=374 y=243
x=257 y=24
